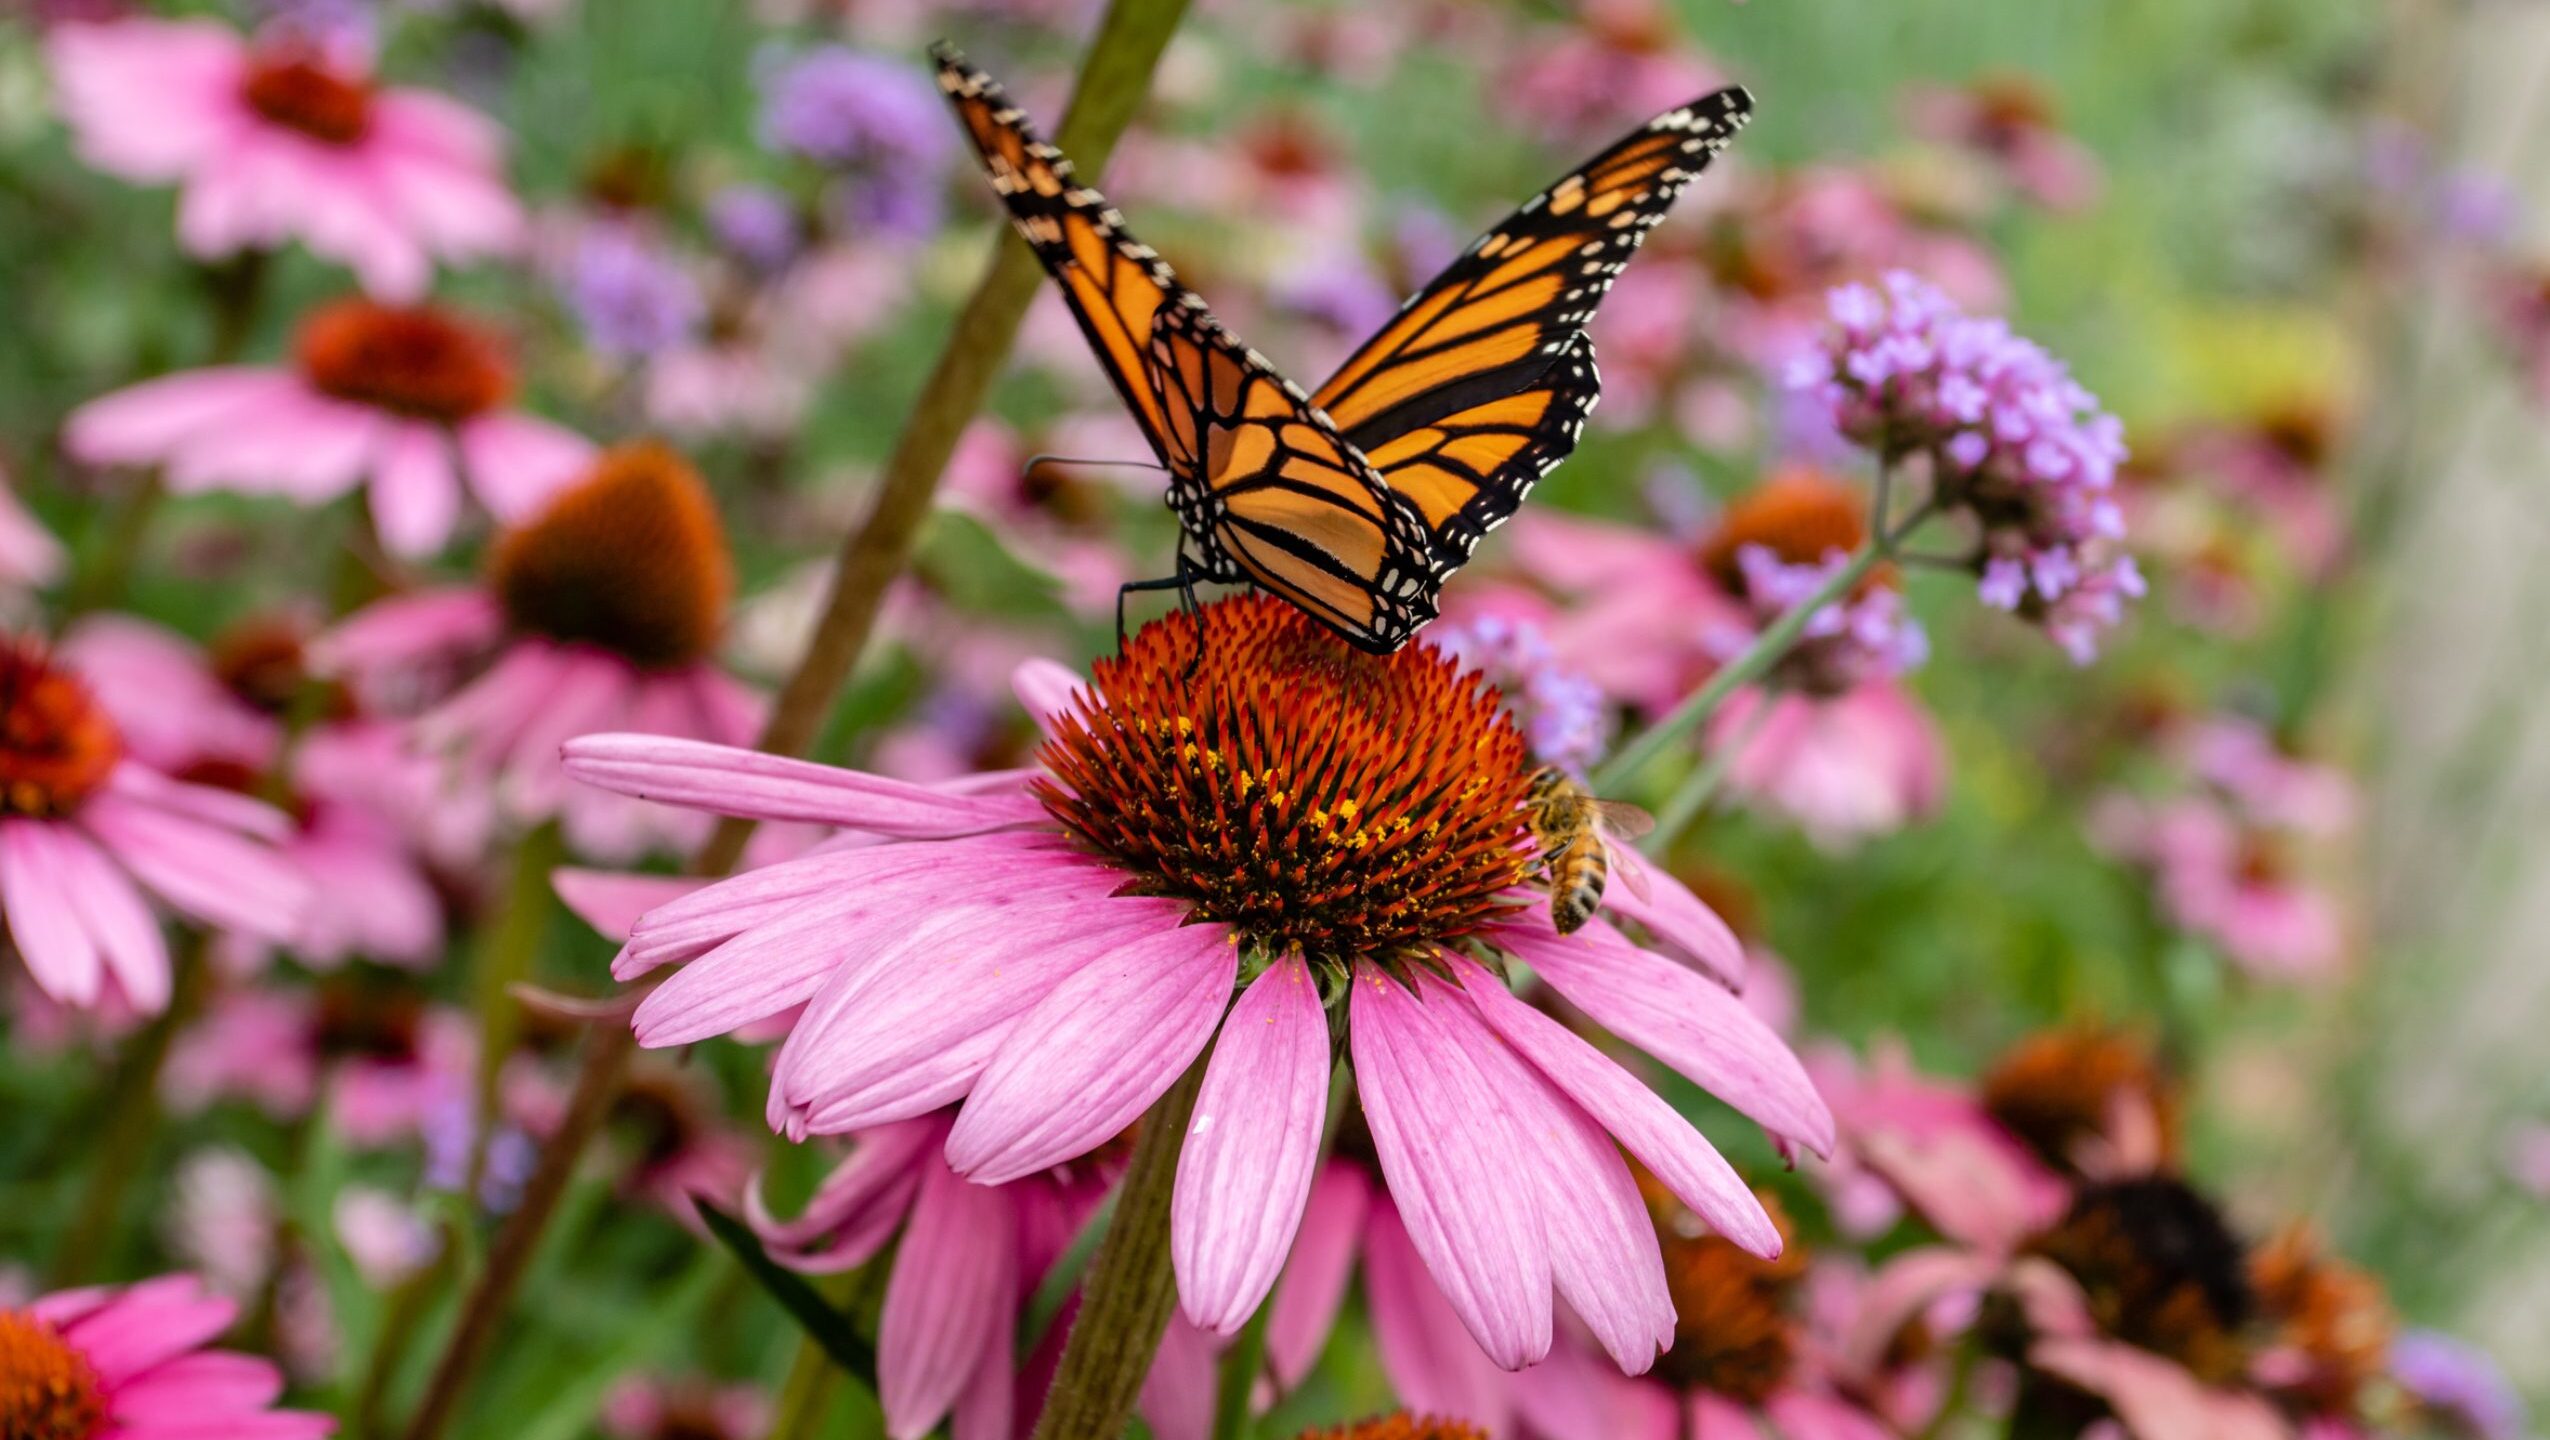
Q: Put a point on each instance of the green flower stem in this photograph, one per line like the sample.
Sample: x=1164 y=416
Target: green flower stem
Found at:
x=1125 y=1308
x=1767 y=650
x=1699 y=787
x=805 y=1398
x=1114 y=77
x=122 y=1137
x=506 y=954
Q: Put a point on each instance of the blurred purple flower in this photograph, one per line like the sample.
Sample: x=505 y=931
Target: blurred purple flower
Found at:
x=631 y=298
x=872 y=120
x=2012 y=438
x=1870 y=637
x=755 y=224
x=2477 y=208
x=2460 y=1385
x=1561 y=710
x=1337 y=288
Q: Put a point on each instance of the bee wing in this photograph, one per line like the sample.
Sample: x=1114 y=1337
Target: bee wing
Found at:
x=1624 y=819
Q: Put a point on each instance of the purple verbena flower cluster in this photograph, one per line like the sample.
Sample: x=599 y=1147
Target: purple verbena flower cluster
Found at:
x=1856 y=639
x=755 y=224
x=631 y=297
x=1561 y=711
x=871 y=120
x=2012 y=440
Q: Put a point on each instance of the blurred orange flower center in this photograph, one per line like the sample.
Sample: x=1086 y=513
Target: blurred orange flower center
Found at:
x=1731 y=1309
x=415 y=360
x=2060 y=1089
x=1309 y=795
x=1400 y=1427
x=2159 y=1269
x=631 y=559
x=1801 y=516
x=295 y=90
x=56 y=743
x=47 y=1390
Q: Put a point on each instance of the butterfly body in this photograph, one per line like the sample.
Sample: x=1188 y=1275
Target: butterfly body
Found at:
x=1358 y=500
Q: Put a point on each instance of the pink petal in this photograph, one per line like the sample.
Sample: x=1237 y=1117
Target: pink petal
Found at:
x=415 y=494
x=2156 y=1399
x=775 y=962
x=149 y=1323
x=1646 y=1126
x=516 y=462
x=1177 y=1394
x=140 y=425
x=1434 y=1366
x=859 y=1205
x=612 y=902
x=42 y=919
x=1245 y=1173
x=1675 y=916
x=1313 y=1286
x=1047 y=690
x=1450 y=1160
x=747 y=783
x=688 y=926
x=191 y=1386
x=127 y=935
x=910 y=1026
x=1806 y=1415
x=1719 y=1418
x=210 y=804
x=1602 y=1244
x=948 y=1306
x=1094 y=1053
x=209 y=873
x=1689 y=1023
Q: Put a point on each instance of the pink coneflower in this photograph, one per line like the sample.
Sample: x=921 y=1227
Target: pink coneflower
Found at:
x=389 y=1063
x=407 y=401
x=969 y=1258
x=87 y=831
x=128 y=1363
x=219 y=719
x=1301 y=824
x=278 y=139
x=2009 y=120
x=601 y=612
x=649 y=1407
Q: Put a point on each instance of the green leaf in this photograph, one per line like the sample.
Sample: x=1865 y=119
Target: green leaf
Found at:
x=823 y=1324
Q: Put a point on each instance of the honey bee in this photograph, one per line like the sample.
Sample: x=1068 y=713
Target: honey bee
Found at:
x=1576 y=833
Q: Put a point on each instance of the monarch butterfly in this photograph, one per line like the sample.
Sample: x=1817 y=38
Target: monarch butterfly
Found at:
x=1354 y=502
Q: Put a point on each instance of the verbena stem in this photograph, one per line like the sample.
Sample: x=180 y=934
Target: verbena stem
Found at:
x=1767 y=650
x=1114 y=77
x=1125 y=1308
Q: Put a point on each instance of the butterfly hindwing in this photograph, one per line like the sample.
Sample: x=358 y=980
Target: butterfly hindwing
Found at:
x=1482 y=381
x=1112 y=282
x=1288 y=505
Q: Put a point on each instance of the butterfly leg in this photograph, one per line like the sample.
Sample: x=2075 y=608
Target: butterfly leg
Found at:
x=1183 y=582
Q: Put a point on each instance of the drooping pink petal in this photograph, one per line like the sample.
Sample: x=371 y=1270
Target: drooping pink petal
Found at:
x=1245 y=1173
x=948 y=1304
x=1448 y=1153
x=1675 y=916
x=728 y=781
x=415 y=493
x=1720 y=1418
x=1646 y=1126
x=1812 y=1415
x=138 y=426
x=1902 y=1290
x=47 y=929
x=1090 y=1057
x=1434 y=1366
x=1177 y=1395
x=1312 y=1288
x=210 y=873
x=2156 y=1399
x=1046 y=690
x=1602 y=1245
x=210 y=804
x=688 y=926
x=1686 y=1021
x=856 y=1209
x=516 y=462
x=148 y=1324
x=117 y=919
x=1576 y=1395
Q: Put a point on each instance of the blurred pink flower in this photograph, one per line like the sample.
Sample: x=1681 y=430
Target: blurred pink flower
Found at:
x=601 y=612
x=406 y=401
x=2009 y=120
x=1620 y=59
x=388 y=1061
x=1843 y=767
x=1061 y=1054
x=653 y=1407
x=277 y=140
x=87 y=830
x=30 y=558
x=130 y=1362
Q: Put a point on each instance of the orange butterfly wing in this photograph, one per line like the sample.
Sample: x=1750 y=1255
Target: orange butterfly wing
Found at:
x=1288 y=504
x=1482 y=381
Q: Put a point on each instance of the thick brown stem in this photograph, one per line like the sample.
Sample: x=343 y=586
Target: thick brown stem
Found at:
x=1125 y=1308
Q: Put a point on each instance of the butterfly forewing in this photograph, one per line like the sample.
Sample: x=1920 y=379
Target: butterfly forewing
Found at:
x=1482 y=381
x=1113 y=282
x=1287 y=504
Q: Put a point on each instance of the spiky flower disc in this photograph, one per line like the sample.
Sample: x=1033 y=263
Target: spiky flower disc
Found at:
x=1311 y=796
